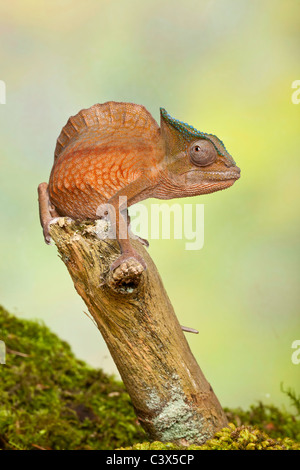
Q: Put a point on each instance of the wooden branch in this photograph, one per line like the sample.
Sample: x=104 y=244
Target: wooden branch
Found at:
x=172 y=399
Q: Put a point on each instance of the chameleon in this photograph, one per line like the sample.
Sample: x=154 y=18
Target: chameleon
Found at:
x=115 y=155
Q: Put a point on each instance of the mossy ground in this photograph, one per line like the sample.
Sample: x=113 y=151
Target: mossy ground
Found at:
x=230 y=438
x=51 y=400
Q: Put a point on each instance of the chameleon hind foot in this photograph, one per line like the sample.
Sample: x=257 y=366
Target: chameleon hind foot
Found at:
x=48 y=213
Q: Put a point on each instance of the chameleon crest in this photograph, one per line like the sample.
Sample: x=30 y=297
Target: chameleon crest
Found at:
x=187 y=133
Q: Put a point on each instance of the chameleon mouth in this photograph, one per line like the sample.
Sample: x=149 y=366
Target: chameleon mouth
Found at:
x=218 y=180
x=222 y=184
x=198 y=182
x=213 y=186
x=232 y=174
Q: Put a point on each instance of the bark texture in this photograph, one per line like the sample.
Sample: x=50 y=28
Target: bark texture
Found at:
x=172 y=399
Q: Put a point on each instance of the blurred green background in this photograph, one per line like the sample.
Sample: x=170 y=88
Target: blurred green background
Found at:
x=225 y=67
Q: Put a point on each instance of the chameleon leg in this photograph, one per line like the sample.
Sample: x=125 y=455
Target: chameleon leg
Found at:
x=143 y=241
x=116 y=213
x=127 y=251
x=47 y=210
x=119 y=204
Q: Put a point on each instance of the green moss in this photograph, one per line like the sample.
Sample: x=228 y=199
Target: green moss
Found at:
x=51 y=400
x=231 y=438
x=267 y=418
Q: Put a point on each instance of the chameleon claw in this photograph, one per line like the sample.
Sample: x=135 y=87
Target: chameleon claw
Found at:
x=47 y=237
x=143 y=241
x=132 y=235
x=61 y=221
x=46 y=230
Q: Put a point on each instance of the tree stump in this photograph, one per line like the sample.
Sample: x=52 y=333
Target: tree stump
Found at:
x=171 y=397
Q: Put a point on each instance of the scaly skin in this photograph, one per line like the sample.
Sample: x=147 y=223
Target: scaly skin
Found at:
x=116 y=150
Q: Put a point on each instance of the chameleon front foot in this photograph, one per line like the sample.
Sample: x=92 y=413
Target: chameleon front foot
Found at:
x=130 y=258
x=126 y=272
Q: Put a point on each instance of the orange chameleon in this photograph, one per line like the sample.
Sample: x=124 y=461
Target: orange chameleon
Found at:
x=117 y=149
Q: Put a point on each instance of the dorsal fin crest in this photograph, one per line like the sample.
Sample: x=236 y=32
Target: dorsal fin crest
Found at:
x=111 y=114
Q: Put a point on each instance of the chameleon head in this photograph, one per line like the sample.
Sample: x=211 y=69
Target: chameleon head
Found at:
x=196 y=162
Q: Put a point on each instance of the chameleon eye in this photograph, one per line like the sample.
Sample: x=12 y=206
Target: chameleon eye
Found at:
x=202 y=153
